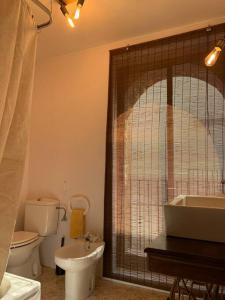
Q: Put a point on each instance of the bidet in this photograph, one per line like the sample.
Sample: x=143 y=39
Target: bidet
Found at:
x=79 y=260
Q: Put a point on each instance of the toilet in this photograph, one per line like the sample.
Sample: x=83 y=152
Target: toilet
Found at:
x=41 y=219
x=79 y=259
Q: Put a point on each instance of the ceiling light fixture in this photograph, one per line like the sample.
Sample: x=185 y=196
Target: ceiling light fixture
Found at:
x=80 y=4
x=66 y=13
x=213 y=56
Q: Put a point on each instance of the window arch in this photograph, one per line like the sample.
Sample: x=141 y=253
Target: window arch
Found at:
x=197 y=148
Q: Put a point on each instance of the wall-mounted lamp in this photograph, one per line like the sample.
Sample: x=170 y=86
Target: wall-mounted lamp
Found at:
x=66 y=13
x=213 y=56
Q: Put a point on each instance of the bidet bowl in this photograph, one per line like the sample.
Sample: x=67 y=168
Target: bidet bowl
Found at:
x=78 y=255
x=79 y=260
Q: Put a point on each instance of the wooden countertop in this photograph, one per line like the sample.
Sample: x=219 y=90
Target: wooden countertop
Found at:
x=188 y=248
x=187 y=258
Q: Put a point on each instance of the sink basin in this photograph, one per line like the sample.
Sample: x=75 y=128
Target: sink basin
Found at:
x=196 y=217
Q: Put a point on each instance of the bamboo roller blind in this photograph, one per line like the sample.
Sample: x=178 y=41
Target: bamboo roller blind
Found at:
x=165 y=137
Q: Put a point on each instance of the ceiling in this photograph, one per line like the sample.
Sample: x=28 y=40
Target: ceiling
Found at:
x=105 y=21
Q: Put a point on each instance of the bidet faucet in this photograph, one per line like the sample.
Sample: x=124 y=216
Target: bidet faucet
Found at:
x=88 y=239
x=88 y=244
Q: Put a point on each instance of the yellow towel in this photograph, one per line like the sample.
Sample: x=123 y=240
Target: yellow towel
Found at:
x=77 y=223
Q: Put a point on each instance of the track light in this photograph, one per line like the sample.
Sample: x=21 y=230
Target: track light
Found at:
x=213 y=56
x=80 y=3
x=66 y=14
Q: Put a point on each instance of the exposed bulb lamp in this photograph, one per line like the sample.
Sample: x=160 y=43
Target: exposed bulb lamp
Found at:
x=66 y=14
x=80 y=4
x=213 y=56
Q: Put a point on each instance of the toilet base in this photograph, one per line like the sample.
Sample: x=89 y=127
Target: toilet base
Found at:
x=80 y=284
x=30 y=269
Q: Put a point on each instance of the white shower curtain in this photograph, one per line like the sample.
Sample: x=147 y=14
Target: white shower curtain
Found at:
x=17 y=59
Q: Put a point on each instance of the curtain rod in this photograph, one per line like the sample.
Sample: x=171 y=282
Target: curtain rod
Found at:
x=45 y=10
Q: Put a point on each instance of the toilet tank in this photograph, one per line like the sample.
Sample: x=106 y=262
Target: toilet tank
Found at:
x=41 y=216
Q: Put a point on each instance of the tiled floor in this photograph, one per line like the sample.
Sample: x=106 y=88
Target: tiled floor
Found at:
x=53 y=289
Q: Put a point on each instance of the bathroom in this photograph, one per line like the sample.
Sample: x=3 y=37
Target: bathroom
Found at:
x=68 y=154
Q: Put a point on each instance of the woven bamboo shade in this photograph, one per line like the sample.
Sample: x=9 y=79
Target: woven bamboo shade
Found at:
x=165 y=137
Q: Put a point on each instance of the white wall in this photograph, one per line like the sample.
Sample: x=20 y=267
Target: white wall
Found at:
x=68 y=132
x=69 y=125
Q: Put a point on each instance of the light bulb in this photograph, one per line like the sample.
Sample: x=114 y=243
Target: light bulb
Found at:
x=211 y=59
x=213 y=56
x=80 y=4
x=70 y=20
x=77 y=11
x=67 y=15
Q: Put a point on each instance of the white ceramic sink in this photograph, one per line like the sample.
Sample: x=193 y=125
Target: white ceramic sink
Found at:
x=196 y=217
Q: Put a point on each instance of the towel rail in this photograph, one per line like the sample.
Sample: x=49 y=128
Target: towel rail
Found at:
x=45 y=10
x=83 y=197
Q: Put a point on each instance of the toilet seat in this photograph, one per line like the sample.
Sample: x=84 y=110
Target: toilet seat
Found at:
x=22 y=238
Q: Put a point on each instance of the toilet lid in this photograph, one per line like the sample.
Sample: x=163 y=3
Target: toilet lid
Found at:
x=21 y=238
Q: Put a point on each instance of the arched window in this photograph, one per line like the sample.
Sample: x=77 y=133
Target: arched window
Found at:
x=197 y=149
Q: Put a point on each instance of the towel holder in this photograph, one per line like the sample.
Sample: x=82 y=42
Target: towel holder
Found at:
x=85 y=199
